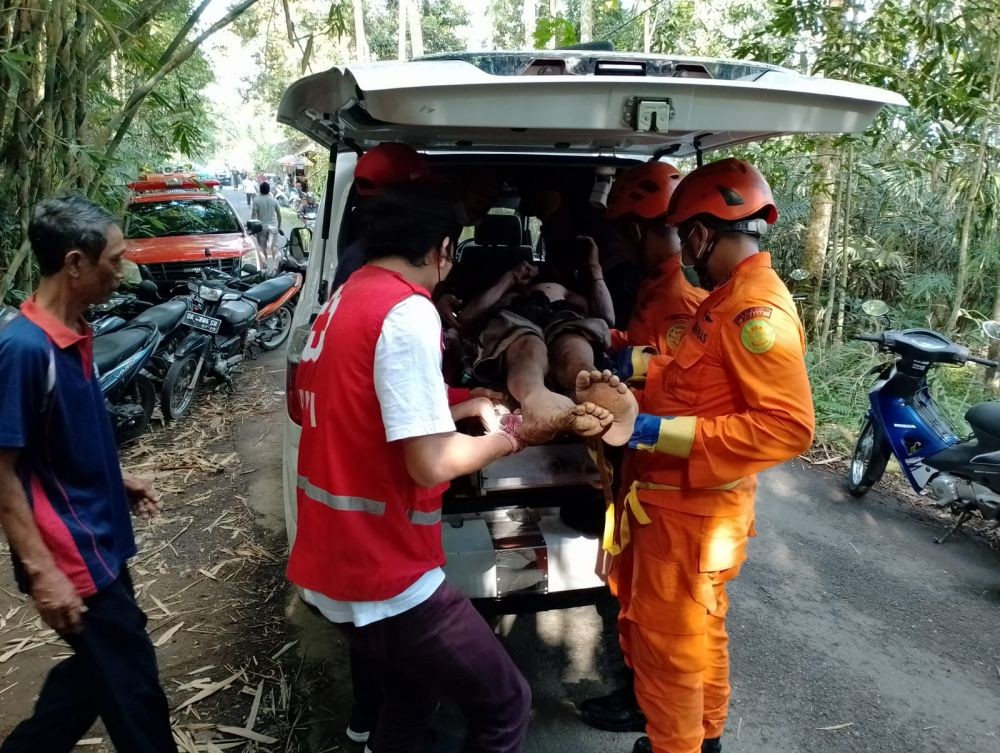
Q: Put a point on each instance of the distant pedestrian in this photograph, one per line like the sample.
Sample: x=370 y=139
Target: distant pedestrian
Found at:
x=250 y=189
x=64 y=501
x=267 y=209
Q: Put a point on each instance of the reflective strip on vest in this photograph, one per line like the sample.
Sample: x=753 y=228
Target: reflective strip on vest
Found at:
x=430 y=518
x=344 y=504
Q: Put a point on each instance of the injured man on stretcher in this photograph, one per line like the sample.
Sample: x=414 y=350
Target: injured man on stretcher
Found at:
x=543 y=341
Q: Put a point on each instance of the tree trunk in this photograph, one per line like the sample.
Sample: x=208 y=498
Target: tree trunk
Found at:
x=833 y=274
x=416 y=31
x=844 y=241
x=993 y=376
x=972 y=201
x=587 y=20
x=820 y=217
x=401 y=41
x=647 y=33
x=528 y=17
x=362 y=52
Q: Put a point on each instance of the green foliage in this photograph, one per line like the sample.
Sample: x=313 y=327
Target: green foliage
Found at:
x=440 y=20
x=559 y=30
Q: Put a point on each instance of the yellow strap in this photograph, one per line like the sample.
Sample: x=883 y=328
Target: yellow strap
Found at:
x=625 y=536
x=632 y=503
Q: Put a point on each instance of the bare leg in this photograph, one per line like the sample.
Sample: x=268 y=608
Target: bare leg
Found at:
x=570 y=355
x=527 y=362
x=545 y=412
x=607 y=390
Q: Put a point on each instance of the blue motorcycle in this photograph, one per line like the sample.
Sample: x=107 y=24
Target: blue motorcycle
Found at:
x=120 y=361
x=903 y=421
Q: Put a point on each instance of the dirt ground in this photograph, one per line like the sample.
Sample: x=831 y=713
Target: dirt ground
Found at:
x=210 y=576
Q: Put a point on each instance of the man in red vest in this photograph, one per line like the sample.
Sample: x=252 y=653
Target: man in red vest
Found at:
x=378 y=449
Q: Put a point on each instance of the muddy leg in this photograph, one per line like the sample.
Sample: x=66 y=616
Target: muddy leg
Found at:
x=571 y=354
x=545 y=412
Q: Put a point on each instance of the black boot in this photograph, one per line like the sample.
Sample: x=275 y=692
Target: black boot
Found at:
x=642 y=745
x=616 y=712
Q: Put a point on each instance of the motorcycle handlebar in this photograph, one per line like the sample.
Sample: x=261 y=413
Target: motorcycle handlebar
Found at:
x=869 y=338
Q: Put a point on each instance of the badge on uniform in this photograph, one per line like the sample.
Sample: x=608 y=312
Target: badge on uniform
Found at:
x=757 y=336
x=674 y=335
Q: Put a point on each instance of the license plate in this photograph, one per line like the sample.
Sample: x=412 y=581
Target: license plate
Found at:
x=202 y=322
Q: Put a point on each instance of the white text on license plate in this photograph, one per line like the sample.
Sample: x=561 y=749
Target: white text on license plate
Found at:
x=202 y=322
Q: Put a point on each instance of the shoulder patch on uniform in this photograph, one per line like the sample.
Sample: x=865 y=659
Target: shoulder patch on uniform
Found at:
x=757 y=336
x=754 y=312
x=674 y=335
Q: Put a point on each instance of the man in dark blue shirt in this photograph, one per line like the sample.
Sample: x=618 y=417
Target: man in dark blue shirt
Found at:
x=64 y=502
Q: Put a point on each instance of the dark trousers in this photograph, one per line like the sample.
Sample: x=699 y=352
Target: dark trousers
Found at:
x=249 y=199
x=112 y=674
x=443 y=647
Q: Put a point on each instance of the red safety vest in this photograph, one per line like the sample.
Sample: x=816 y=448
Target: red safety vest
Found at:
x=366 y=530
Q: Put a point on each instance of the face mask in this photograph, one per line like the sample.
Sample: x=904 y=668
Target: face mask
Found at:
x=691 y=275
x=697 y=273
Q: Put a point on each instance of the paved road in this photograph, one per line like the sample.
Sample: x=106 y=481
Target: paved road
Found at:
x=847 y=613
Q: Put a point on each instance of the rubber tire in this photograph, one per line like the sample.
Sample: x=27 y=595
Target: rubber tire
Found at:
x=287 y=311
x=175 y=374
x=147 y=400
x=871 y=454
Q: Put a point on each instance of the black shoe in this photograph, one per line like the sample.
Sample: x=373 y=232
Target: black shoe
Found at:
x=616 y=712
x=642 y=745
x=714 y=745
x=360 y=727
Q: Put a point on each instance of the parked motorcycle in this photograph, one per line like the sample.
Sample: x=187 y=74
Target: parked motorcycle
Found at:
x=225 y=326
x=120 y=360
x=903 y=421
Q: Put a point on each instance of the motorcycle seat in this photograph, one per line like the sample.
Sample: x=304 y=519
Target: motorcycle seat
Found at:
x=164 y=316
x=985 y=422
x=270 y=290
x=111 y=349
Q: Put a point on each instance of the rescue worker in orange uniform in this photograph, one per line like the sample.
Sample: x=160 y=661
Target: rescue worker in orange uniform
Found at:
x=733 y=400
x=665 y=300
x=665 y=303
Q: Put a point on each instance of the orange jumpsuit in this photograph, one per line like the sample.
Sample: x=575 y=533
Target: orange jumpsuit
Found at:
x=663 y=307
x=736 y=400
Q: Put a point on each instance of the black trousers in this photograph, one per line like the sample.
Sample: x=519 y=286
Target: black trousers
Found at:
x=112 y=675
x=443 y=647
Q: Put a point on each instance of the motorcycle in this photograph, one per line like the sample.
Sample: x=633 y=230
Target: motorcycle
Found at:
x=120 y=361
x=903 y=421
x=223 y=327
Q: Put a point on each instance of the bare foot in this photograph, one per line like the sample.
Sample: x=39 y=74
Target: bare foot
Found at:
x=608 y=391
x=547 y=413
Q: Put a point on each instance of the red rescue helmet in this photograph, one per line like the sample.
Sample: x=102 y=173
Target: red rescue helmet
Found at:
x=643 y=191
x=729 y=190
x=390 y=164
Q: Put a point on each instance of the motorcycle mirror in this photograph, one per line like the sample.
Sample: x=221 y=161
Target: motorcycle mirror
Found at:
x=991 y=329
x=875 y=307
x=799 y=274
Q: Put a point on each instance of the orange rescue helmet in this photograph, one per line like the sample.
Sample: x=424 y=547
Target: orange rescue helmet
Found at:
x=729 y=190
x=643 y=191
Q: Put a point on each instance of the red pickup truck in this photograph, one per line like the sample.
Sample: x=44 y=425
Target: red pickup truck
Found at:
x=176 y=226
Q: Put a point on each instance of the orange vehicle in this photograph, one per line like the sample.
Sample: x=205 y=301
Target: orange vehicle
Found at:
x=176 y=226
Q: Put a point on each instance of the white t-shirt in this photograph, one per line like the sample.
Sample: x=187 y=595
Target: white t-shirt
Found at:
x=414 y=402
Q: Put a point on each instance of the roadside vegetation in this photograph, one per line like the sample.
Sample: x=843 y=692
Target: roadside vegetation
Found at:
x=906 y=213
